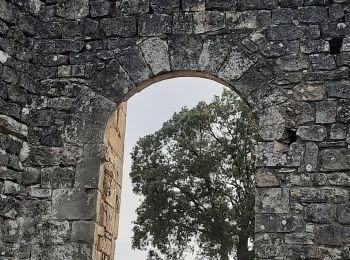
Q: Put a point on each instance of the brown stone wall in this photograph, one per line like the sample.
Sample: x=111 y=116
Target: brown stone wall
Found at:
x=111 y=174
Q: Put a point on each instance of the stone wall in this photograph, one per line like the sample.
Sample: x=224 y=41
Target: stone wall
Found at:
x=66 y=65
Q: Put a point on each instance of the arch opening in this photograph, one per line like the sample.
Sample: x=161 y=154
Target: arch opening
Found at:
x=115 y=133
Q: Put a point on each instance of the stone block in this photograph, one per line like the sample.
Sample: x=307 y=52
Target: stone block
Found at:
x=309 y=92
x=135 y=65
x=311 y=14
x=314 y=46
x=338 y=132
x=282 y=15
x=293 y=63
x=74 y=204
x=241 y=20
x=326 y=112
x=312 y=133
x=165 y=6
x=257 y=4
x=209 y=21
x=336 y=12
x=319 y=195
x=185 y=51
x=182 y=23
x=154 y=24
x=194 y=5
x=213 y=54
x=299 y=239
x=83 y=231
x=99 y=8
x=332 y=235
x=272 y=200
x=335 y=159
x=343 y=111
x=320 y=213
x=339 y=179
x=311 y=157
x=7 y=11
x=334 y=30
x=266 y=178
x=236 y=64
x=73 y=9
x=284 y=32
x=272 y=123
x=133 y=6
x=343 y=214
x=11 y=126
x=123 y=26
x=277 y=223
x=57 y=177
x=323 y=62
x=155 y=51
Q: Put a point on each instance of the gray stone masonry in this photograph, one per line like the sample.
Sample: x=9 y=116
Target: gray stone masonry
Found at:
x=66 y=65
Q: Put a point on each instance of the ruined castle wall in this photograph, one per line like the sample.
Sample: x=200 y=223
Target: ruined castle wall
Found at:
x=66 y=65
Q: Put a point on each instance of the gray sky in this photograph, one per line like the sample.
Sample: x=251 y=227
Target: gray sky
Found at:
x=146 y=113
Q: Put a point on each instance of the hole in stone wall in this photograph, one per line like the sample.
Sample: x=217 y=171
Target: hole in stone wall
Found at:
x=335 y=45
x=291 y=136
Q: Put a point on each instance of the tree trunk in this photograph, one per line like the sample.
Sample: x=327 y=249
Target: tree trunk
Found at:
x=242 y=249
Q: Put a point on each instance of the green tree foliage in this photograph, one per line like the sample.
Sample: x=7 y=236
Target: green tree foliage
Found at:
x=196 y=179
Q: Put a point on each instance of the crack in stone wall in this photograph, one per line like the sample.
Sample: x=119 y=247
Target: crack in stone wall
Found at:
x=66 y=65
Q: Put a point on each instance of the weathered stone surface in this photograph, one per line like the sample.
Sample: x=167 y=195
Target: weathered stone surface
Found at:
x=320 y=213
x=312 y=14
x=321 y=195
x=213 y=54
x=7 y=11
x=293 y=63
x=83 y=231
x=272 y=124
x=284 y=32
x=156 y=55
x=185 y=52
x=154 y=24
x=66 y=65
x=209 y=21
x=311 y=157
x=312 y=133
x=335 y=160
x=339 y=178
x=74 y=204
x=343 y=111
x=73 y=9
x=299 y=239
x=338 y=131
x=194 y=5
x=134 y=64
x=11 y=126
x=273 y=200
x=308 y=93
x=237 y=63
x=124 y=26
x=343 y=214
x=266 y=178
x=326 y=112
x=279 y=223
x=243 y=20
x=332 y=235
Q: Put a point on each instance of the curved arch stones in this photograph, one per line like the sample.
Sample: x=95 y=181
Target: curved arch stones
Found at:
x=65 y=65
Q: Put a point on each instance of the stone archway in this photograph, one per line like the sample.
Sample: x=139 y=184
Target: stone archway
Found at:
x=65 y=65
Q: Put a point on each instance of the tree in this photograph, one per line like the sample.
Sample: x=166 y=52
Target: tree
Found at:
x=196 y=179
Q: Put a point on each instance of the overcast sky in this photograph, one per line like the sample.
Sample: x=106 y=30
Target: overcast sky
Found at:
x=147 y=111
